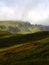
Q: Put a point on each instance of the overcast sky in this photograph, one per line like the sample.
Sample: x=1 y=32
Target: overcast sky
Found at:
x=35 y=11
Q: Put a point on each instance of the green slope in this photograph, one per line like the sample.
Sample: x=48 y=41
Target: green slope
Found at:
x=29 y=49
x=4 y=33
x=18 y=27
x=15 y=39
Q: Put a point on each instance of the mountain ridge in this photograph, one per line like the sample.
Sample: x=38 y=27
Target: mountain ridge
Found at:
x=22 y=27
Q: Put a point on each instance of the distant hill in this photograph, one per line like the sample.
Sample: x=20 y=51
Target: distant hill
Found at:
x=21 y=27
x=25 y=49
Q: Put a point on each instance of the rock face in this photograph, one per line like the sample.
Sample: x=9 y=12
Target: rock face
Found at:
x=43 y=27
x=13 y=29
x=23 y=27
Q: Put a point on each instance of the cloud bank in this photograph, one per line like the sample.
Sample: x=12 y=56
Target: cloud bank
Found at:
x=35 y=11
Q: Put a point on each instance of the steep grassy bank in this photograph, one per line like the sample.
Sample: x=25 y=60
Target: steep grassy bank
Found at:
x=14 y=39
x=30 y=49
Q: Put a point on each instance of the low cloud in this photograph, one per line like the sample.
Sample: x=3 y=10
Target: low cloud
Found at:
x=35 y=11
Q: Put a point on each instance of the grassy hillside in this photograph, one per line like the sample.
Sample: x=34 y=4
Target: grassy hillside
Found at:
x=29 y=49
x=18 y=27
x=21 y=27
x=4 y=33
x=14 y=39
